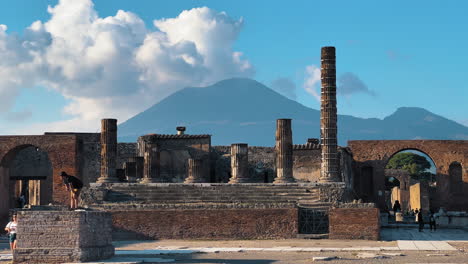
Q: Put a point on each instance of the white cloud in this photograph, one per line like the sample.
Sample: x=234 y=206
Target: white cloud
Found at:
x=117 y=66
x=312 y=81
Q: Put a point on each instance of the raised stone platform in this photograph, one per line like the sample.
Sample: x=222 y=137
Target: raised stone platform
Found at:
x=63 y=236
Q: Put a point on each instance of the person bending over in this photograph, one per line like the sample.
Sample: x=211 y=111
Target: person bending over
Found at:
x=74 y=186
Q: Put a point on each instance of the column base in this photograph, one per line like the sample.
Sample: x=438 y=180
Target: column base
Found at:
x=284 y=180
x=148 y=180
x=107 y=180
x=240 y=180
x=325 y=180
x=131 y=179
x=193 y=180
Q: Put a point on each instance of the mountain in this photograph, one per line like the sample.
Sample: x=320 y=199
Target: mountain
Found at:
x=243 y=110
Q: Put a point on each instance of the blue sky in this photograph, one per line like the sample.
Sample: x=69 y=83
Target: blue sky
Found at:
x=403 y=53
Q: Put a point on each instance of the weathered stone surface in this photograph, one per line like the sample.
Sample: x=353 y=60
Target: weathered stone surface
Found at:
x=108 y=150
x=284 y=151
x=195 y=171
x=230 y=223
x=62 y=236
x=371 y=157
x=239 y=163
x=64 y=152
x=328 y=117
x=152 y=166
x=354 y=223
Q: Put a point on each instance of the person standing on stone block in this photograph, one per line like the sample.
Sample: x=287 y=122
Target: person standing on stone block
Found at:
x=11 y=229
x=74 y=186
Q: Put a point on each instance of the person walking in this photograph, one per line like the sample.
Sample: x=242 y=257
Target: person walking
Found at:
x=420 y=220
x=432 y=222
x=11 y=229
x=74 y=186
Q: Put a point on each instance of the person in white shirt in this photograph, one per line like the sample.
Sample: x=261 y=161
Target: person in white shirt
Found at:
x=11 y=229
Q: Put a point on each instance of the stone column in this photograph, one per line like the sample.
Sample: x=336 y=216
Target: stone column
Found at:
x=328 y=118
x=108 y=151
x=139 y=166
x=239 y=163
x=284 y=153
x=130 y=171
x=195 y=171
x=152 y=166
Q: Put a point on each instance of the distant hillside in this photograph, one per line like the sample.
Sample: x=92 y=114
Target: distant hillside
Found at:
x=244 y=110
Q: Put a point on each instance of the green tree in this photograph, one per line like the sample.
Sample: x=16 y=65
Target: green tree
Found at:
x=415 y=164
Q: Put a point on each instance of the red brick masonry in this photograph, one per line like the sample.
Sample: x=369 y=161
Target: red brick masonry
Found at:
x=249 y=223
x=354 y=223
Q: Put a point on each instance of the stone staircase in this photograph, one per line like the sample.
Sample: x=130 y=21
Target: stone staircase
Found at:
x=301 y=195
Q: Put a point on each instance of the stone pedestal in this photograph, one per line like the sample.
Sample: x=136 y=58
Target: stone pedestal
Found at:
x=195 y=171
x=130 y=171
x=108 y=151
x=239 y=163
x=328 y=118
x=63 y=236
x=284 y=153
x=152 y=166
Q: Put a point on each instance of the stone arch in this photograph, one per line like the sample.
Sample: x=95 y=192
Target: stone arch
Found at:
x=442 y=152
x=62 y=151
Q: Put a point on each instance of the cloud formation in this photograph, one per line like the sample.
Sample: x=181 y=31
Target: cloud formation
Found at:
x=284 y=86
x=349 y=83
x=116 y=66
x=312 y=81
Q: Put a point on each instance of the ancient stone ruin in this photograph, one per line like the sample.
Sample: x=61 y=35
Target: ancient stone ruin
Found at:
x=192 y=189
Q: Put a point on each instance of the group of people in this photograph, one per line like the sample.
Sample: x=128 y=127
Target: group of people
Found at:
x=419 y=217
x=72 y=184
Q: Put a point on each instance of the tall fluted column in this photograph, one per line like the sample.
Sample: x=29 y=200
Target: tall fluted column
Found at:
x=108 y=151
x=130 y=171
x=139 y=166
x=152 y=167
x=284 y=153
x=328 y=117
x=195 y=171
x=239 y=163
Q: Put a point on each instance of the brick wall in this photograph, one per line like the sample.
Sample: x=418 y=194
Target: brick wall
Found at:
x=63 y=236
x=206 y=224
x=354 y=223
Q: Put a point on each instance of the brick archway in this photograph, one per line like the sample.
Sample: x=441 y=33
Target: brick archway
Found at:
x=376 y=154
x=62 y=151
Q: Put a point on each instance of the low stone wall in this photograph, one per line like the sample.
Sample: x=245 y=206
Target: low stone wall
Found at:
x=63 y=236
x=354 y=223
x=247 y=223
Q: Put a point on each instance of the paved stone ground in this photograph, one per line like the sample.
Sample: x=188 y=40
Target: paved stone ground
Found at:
x=411 y=246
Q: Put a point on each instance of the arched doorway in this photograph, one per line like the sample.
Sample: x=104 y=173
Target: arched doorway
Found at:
x=26 y=178
x=410 y=178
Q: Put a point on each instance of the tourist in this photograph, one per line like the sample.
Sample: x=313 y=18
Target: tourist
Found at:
x=396 y=206
x=11 y=229
x=74 y=186
x=432 y=222
x=420 y=220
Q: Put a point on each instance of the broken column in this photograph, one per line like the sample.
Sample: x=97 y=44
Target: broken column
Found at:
x=283 y=150
x=152 y=166
x=239 y=163
x=108 y=151
x=328 y=117
x=130 y=171
x=195 y=171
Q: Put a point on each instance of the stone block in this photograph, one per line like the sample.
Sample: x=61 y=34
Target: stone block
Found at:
x=63 y=236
